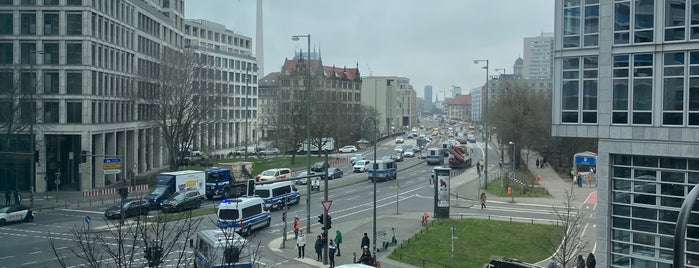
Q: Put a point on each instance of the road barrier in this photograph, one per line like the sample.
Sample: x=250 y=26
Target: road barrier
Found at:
x=113 y=191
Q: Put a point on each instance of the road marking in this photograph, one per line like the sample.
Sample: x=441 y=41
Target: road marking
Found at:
x=83 y=211
x=28 y=263
x=35 y=252
x=6 y=257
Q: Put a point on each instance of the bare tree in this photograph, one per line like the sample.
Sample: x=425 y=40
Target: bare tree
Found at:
x=567 y=243
x=176 y=96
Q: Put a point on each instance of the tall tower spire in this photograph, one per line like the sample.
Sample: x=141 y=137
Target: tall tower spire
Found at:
x=259 y=46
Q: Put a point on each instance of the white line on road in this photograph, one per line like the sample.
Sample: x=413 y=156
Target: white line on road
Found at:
x=83 y=211
x=35 y=252
x=6 y=257
x=28 y=263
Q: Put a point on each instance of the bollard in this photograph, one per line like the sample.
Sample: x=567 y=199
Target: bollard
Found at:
x=354 y=256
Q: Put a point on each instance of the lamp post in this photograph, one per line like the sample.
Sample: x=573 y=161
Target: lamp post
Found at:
x=501 y=69
x=514 y=166
x=247 y=103
x=308 y=129
x=485 y=121
x=363 y=142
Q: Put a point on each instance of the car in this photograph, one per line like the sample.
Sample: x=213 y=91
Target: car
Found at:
x=180 y=201
x=399 y=140
x=386 y=158
x=15 y=214
x=335 y=173
x=356 y=157
x=271 y=151
x=320 y=166
x=398 y=157
x=348 y=149
x=409 y=153
x=131 y=207
x=361 y=165
x=303 y=180
x=415 y=149
x=399 y=149
x=274 y=174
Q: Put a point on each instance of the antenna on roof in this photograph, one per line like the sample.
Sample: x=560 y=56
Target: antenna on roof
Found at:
x=370 y=72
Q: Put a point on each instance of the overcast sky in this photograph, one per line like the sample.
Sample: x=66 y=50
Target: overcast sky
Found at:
x=431 y=42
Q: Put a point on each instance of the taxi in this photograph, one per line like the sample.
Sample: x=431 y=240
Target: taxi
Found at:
x=15 y=214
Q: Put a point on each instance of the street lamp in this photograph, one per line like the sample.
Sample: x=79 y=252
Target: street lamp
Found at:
x=514 y=166
x=362 y=143
x=485 y=121
x=247 y=103
x=308 y=129
x=504 y=71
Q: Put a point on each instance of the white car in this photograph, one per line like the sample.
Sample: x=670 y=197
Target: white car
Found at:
x=409 y=153
x=399 y=140
x=15 y=214
x=356 y=157
x=348 y=149
x=361 y=165
x=274 y=174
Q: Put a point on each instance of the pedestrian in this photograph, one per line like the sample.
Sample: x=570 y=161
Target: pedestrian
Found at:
x=319 y=248
x=537 y=163
x=483 y=197
x=580 y=262
x=297 y=226
x=552 y=264
x=331 y=253
x=365 y=241
x=580 y=180
x=18 y=198
x=366 y=257
x=591 y=262
x=301 y=244
x=338 y=241
x=8 y=196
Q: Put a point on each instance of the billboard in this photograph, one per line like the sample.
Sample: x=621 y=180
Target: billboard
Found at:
x=442 y=180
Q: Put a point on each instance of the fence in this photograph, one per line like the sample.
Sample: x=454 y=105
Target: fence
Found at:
x=113 y=191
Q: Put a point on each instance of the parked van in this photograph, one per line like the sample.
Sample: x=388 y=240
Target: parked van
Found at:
x=244 y=214
x=275 y=194
x=387 y=170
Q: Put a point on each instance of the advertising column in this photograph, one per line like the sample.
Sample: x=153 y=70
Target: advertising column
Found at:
x=441 y=177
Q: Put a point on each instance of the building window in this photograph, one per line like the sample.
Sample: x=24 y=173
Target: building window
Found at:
x=74 y=24
x=673 y=88
x=633 y=89
x=675 y=21
x=50 y=24
x=633 y=16
x=74 y=83
x=580 y=18
x=51 y=53
x=74 y=54
x=6 y=55
x=28 y=2
x=50 y=82
x=620 y=90
x=6 y=23
x=28 y=82
x=28 y=24
x=50 y=112
x=693 y=88
x=74 y=113
x=27 y=112
x=579 y=90
x=50 y=2
x=74 y=2
x=6 y=2
x=28 y=53
x=7 y=83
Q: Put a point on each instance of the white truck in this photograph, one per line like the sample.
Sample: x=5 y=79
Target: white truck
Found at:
x=177 y=181
x=328 y=145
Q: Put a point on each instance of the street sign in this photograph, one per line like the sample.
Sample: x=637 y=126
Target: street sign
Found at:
x=585 y=160
x=111 y=166
x=327 y=204
x=111 y=160
x=112 y=171
x=88 y=219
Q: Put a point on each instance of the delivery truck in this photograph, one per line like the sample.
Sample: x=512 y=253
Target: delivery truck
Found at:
x=178 y=181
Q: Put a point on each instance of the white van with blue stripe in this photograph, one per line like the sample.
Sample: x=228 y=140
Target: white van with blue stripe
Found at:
x=243 y=214
x=277 y=195
x=386 y=170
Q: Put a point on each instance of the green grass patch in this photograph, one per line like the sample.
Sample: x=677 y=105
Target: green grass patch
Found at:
x=478 y=240
x=165 y=217
x=531 y=188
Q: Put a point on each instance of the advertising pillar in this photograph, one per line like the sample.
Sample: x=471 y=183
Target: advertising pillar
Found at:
x=442 y=178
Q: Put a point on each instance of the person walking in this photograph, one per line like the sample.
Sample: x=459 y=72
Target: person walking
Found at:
x=483 y=197
x=297 y=226
x=331 y=253
x=18 y=198
x=552 y=264
x=580 y=262
x=591 y=262
x=537 y=163
x=365 y=241
x=8 y=196
x=319 y=248
x=301 y=244
x=338 y=241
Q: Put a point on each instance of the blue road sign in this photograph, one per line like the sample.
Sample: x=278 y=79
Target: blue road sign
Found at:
x=586 y=160
x=111 y=160
x=88 y=219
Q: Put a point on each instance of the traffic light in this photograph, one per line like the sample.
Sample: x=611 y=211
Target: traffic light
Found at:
x=284 y=216
x=328 y=223
x=320 y=219
x=324 y=237
x=123 y=192
x=83 y=156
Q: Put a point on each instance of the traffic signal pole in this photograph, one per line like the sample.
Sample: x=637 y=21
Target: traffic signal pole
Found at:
x=325 y=213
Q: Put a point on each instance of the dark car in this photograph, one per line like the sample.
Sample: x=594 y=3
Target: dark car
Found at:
x=335 y=173
x=132 y=207
x=180 y=201
x=320 y=166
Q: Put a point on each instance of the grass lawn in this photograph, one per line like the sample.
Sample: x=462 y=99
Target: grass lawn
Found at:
x=181 y=215
x=478 y=241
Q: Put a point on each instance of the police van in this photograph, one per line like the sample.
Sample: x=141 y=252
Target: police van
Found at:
x=277 y=195
x=386 y=170
x=243 y=214
x=217 y=248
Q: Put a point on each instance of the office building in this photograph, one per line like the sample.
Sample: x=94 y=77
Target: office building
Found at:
x=625 y=73
x=385 y=94
x=428 y=99
x=538 y=57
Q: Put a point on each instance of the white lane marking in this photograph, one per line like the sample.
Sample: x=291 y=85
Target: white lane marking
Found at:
x=6 y=257
x=35 y=252
x=28 y=263
x=83 y=211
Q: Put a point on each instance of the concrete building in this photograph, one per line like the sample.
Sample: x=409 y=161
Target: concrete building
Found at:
x=538 y=57
x=428 y=99
x=230 y=54
x=476 y=105
x=408 y=104
x=384 y=93
x=459 y=108
x=504 y=81
x=518 y=67
x=627 y=76
x=455 y=90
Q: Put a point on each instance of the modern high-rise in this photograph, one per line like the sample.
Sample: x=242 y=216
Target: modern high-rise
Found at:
x=625 y=72
x=538 y=56
x=476 y=104
x=428 y=99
